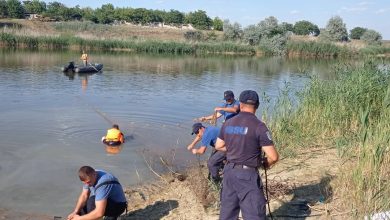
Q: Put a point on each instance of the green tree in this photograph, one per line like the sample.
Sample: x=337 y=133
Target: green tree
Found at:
x=269 y=27
x=15 y=9
x=231 y=31
x=252 y=34
x=199 y=20
x=174 y=17
x=306 y=28
x=75 y=13
x=286 y=27
x=357 y=32
x=372 y=37
x=56 y=10
x=88 y=14
x=151 y=16
x=34 y=6
x=335 y=30
x=3 y=9
x=218 y=24
x=137 y=15
x=105 y=14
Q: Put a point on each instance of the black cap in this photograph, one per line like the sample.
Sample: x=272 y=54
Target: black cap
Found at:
x=249 y=97
x=196 y=127
x=227 y=95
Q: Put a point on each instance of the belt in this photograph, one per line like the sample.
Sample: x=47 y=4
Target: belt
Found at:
x=241 y=166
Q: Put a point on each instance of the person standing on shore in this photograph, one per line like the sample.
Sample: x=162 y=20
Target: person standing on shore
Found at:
x=208 y=136
x=244 y=138
x=102 y=195
x=84 y=58
x=229 y=109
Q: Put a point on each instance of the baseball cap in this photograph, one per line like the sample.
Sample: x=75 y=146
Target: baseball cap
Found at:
x=249 y=97
x=196 y=127
x=228 y=95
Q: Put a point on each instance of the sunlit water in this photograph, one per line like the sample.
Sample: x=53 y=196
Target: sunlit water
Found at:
x=52 y=123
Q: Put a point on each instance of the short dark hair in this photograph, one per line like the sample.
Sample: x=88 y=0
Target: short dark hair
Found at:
x=86 y=172
x=115 y=126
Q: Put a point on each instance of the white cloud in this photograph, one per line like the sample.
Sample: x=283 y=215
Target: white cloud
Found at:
x=382 y=10
x=353 y=9
x=364 y=3
x=294 y=12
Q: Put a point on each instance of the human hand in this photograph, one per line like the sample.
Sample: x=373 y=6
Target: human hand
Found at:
x=217 y=109
x=71 y=216
x=202 y=119
x=194 y=151
x=189 y=147
x=76 y=217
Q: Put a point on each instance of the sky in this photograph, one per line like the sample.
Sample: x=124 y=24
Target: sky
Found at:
x=371 y=14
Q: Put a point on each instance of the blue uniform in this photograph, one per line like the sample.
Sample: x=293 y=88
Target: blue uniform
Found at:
x=244 y=135
x=107 y=188
x=215 y=162
x=228 y=115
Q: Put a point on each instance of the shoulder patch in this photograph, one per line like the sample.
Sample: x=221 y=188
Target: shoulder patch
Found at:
x=268 y=133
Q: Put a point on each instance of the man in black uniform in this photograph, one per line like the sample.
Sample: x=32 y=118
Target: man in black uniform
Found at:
x=244 y=137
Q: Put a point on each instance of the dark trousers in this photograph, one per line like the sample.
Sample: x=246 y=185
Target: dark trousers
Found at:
x=215 y=163
x=242 y=189
x=113 y=209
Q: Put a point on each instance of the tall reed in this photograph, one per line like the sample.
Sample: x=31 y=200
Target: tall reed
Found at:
x=316 y=49
x=144 y=46
x=351 y=113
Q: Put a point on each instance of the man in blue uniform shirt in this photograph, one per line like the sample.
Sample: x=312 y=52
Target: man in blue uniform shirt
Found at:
x=229 y=109
x=244 y=137
x=207 y=136
x=102 y=195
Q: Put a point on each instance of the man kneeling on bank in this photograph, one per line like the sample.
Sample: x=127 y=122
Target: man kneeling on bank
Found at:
x=102 y=195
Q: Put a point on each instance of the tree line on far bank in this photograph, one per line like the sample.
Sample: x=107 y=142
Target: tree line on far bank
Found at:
x=269 y=35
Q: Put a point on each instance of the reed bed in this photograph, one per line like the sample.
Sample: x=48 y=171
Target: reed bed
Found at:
x=351 y=113
x=144 y=46
x=316 y=49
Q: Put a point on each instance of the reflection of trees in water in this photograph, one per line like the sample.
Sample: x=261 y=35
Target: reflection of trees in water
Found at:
x=174 y=65
x=323 y=68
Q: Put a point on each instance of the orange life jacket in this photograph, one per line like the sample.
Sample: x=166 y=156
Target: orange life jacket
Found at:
x=114 y=134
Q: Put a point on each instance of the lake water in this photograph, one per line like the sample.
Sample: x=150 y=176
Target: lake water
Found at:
x=52 y=123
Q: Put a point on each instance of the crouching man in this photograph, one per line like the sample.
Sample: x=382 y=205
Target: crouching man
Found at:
x=102 y=195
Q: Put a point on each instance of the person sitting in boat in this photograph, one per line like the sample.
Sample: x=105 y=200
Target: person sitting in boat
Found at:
x=114 y=136
x=84 y=58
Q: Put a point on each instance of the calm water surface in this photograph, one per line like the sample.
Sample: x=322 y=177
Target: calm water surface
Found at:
x=52 y=123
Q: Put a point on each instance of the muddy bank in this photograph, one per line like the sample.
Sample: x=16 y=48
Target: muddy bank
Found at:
x=299 y=188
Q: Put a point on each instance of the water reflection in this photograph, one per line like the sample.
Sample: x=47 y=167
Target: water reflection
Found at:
x=112 y=150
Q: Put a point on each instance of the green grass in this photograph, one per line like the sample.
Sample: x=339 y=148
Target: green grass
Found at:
x=352 y=114
x=315 y=49
x=143 y=46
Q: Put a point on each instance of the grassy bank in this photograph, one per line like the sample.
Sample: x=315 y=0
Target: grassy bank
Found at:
x=352 y=114
x=75 y=35
x=144 y=46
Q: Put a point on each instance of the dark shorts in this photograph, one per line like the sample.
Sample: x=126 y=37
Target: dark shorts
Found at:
x=113 y=209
